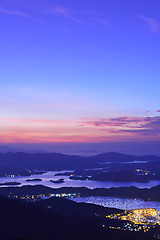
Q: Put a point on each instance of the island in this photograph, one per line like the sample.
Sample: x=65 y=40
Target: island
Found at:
x=10 y=183
x=34 y=180
x=61 y=180
x=64 y=174
x=79 y=177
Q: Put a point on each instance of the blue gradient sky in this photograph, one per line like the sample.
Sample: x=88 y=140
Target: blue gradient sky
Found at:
x=79 y=71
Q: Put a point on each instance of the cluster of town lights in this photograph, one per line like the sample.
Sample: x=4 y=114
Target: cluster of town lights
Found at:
x=137 y=219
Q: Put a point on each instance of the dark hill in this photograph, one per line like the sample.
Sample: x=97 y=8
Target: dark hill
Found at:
x=120 y=157
x=123 y=192
x=49 y=161
x=68 y=207
x=7 y=171
x=19 y=220
x=52 y=161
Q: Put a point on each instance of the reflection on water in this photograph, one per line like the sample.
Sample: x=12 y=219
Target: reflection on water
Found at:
x=50 y=175
x=120 y=203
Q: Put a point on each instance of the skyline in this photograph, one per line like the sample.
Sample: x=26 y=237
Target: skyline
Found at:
x=79 y=72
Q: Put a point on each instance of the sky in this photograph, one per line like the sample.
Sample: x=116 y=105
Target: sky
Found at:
x=79 y=71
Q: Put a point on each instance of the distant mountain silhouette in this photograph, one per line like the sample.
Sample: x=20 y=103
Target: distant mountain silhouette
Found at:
x=52 y=161
x=120 y=157
x=6 y=149
x=49 y=161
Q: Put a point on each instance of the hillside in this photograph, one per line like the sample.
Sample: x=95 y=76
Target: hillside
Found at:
x=21 y=220
x=51 y=161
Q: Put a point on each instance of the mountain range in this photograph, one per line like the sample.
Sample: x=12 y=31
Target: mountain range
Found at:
x=59 y=161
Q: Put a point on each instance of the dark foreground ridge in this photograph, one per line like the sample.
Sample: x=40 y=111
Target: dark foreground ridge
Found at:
x=21 y=220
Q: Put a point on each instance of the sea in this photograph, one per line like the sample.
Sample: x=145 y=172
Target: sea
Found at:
x=119 y=203
x=50 y=175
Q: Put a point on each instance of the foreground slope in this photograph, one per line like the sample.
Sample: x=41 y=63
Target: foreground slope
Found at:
x=21 y=220
x=26 y=221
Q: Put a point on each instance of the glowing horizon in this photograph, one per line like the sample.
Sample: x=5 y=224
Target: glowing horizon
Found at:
x=97 y=130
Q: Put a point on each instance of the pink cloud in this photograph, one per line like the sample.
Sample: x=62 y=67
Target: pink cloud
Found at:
x=140 y=125
x=109 y=129
x=152 y=23
x=18 y=13
x=102 y=21
x=116 y=122
x=66 y=13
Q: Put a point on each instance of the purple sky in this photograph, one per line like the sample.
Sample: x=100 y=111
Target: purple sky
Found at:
x=79 y=71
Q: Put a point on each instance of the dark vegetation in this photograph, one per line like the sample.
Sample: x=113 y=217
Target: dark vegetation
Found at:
x=21 y=220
